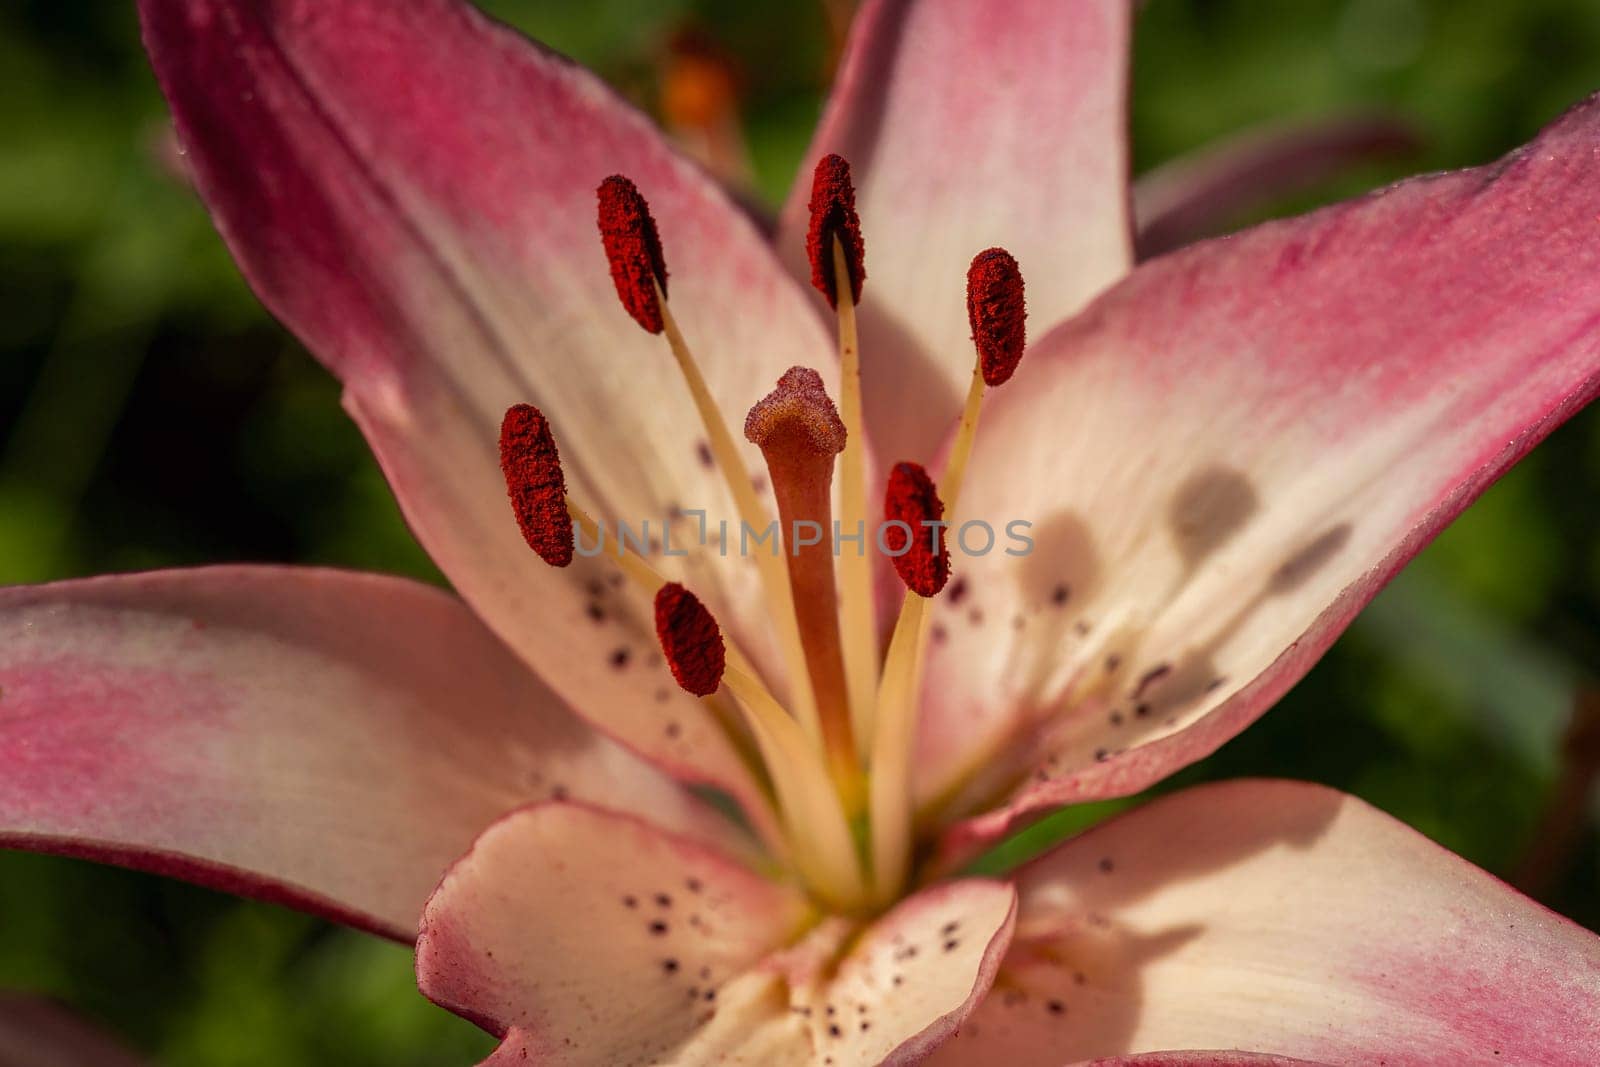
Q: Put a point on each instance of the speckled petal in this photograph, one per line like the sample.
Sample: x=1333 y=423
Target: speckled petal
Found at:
x=1225 y=457
x=1289 y=920
x=323 y=739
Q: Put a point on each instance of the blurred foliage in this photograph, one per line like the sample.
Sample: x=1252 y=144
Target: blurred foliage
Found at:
x=151 y=414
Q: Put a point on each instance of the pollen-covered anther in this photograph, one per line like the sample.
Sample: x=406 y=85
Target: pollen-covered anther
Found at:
x=633 y=249
x=833 y=216
x=690 y=639
x=913 y=534
x=534 y=482
x=997 y=312
x=798 y=413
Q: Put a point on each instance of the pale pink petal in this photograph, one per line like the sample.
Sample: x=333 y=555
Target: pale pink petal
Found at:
x=1286 y=919
x=411 y=188
x=37 y=1033
x=969 y=124
x=888 y=994
x=585 y=936
x=1229 y=454
x=1195 y=195
x=1200 y=1059
x=327 y=740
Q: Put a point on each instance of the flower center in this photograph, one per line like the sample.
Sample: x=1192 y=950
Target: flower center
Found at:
x=838 y=753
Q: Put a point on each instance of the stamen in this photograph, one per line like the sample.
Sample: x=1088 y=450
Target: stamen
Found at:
x=814 y=822
x=833 y=217
x=998 y=311
x=835 y=247
x=910 y=498
x=638 y=267
x=633 y=248
x=923 y=560
x=691 y=640
x=534 y=482
x=799 y=432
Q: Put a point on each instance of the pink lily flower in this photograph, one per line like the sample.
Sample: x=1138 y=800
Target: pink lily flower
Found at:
x=1224 y=454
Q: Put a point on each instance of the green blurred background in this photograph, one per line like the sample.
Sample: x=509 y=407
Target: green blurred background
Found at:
x=151 y=414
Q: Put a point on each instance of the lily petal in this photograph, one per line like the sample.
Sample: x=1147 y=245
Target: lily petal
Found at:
x=35 y=1031
x=1228 y=455
x=903 y=986
x=970 y=124
x=327 y=740
x=1290 y=920
x=643 y=947
x=1200 y=1059
x=1193 y=196
x=578 y=934
x=411 y=188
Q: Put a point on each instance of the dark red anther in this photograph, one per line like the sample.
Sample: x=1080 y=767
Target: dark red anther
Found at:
x=833 y=215
x=633 y=248
x=998 y=313
x=691 y=640
x=912 y=499
x=535 y=484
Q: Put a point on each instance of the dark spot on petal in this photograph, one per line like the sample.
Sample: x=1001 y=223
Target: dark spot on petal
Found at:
x=865 y=1026
x=1101 y=755
x=702 y=449
x=1055 y=1007
x=596 y=612
x=1060 y=594
x=951 y=945
x=975 y=616
x=674 y=731
x=619 y=658
x=663 y=901
x=693 y=885
x=1151 y=677
x=559 y=792
x=1113 y=661
x=834 y=1031
x=630 y=901
x=1080 y=628
x=709 y=995
x=950 y=927
x=1106 y=865
x=670 y=966
x=658 y=928
x=1115 y=718
x=937 y=633
x=898 y=979
x=1215 y=684
x=957 y=591
x=1141 y=710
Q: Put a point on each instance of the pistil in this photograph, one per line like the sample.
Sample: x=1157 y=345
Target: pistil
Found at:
x=800 y=433
x=638 y=270
x=836 y=251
